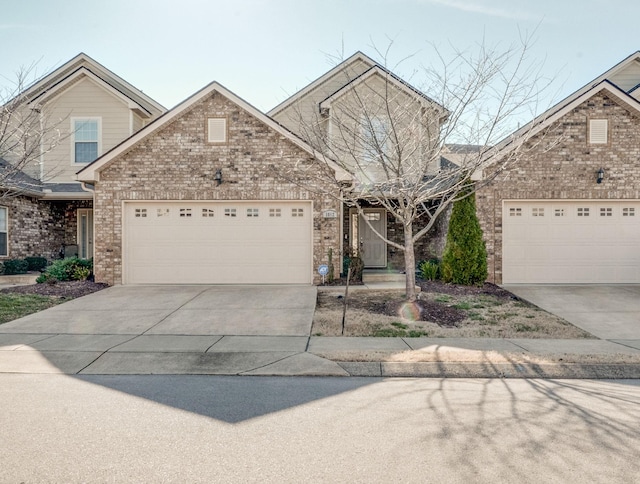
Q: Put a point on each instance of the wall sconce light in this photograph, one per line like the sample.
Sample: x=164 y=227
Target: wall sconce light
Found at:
x=218 y=177
x=600 y=176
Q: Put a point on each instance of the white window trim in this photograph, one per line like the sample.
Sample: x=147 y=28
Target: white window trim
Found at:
x=6 y=231
x=73 y=136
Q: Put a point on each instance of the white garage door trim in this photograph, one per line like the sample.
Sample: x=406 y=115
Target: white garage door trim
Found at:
x=217 y=242
x=571 y=241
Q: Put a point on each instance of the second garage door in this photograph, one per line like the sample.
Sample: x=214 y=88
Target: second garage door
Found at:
x=217 y=242
x=571 y=242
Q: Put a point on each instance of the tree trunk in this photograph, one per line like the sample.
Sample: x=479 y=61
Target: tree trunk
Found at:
x=409 y=262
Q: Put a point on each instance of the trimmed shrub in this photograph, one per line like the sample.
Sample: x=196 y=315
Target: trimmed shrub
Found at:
x=465 y=256
x=15 y=266
x=36 y=263
x=69 y=269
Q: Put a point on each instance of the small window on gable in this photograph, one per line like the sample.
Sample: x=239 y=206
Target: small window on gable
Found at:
x=537 y=212
x=207 y=212
x=275 y=212
x=583 y=212
x=515 y=212
x=141 y=212
x=629 y=212
x=297 y=212
x=185 y=212
x=598 y=131
x=229 y=212
x=217 y=130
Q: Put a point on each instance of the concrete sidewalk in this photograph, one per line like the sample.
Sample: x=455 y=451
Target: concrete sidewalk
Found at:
x=264 y=330
x=321 y=356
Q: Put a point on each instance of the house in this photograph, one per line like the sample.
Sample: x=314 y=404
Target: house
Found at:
x=215 y=191
x=568 y=211
x=87 y=110
x=357 y=114
x=198 y=196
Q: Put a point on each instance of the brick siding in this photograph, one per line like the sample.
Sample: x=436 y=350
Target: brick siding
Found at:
x=176 y=163
x=562 y=165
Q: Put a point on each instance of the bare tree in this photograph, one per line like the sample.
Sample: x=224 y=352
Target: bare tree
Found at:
x=396 y=141
x=27 y=133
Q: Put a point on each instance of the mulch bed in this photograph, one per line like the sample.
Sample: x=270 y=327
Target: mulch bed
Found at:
x=456 y=290
x=66 y=289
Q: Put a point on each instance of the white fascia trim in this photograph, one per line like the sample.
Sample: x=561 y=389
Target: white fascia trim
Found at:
x=58 y=76
x=320 y=80
x=84 y=72
x=67 y=196
x=91 y=172
x=387 y=77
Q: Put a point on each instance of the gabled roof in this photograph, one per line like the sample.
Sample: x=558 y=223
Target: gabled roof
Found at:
x=357 y=57
x=554 y=113
x=56 y=81
x=388 y=76
x=91 y=172
x=541 y=122
x=16 y=181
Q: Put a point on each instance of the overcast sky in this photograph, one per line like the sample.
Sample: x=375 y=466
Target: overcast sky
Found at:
x=265 y=50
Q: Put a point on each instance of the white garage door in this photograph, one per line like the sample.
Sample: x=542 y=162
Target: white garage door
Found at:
x=571 y=242
x=217 y=243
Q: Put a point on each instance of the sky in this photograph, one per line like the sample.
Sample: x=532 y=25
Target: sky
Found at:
x=266 y=50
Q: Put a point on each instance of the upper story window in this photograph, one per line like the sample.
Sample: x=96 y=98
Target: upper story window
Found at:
x=375 y=139
x=4 y=243
x=86 y=139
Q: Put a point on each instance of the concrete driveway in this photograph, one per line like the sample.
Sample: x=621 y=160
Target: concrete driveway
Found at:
x=179 y=310
x=610 y=312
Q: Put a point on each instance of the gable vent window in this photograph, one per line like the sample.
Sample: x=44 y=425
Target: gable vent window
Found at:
x=598 y=131
x=217 y=130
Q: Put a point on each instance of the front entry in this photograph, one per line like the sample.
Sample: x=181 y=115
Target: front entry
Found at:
x=371 y=247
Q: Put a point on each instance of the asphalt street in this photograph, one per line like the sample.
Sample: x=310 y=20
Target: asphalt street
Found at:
x=62 y=428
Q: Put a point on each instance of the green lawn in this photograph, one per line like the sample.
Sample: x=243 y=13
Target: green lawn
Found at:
x=14 y=306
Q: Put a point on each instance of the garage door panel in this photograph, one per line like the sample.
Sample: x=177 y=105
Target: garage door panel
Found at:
x=185 y=242
x=578 y=242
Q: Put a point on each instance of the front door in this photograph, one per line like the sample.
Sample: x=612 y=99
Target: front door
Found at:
x=85 y=233
x=373 y=249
